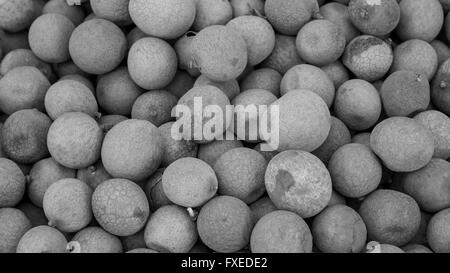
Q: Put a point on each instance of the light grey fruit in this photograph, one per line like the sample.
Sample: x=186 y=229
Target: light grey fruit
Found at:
x=258 y=35
x=116 y=92
x=438 y=233
x=114 y=11
x=230 y=88
x=220 y=53
x=132 y=149
x=171 y=229
x=337 y=73
x=23 y=88
x=81 y=79
x=224 y=224
x=74 y=140
x=189 y=182
x=154 y=106
x=16 y=15
x=97 y=46
x=13 y=225
x=211 y=12
x=74 y=13
x=320 y=42
x=49 y=37
x=96 y=240
x=416 y=55
x=403 y=144
x=265 y=78
x=210 y=152
x=308 y=77
x=284 y=55
x=42 y=239
x=175 y=149
x=12 y=183
x=298 y=181
x=94 y=175
x=368 y=57
x=247 y=7
x=120 y=207
x=439 y=125
x=166 y=19
x=152 y=63
x=281 y=232
x=23 y=57
x=70 y=96
x=339 y=15
x=43 y=174
x=24 y=136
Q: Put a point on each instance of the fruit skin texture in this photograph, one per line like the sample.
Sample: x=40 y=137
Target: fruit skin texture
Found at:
x=355 y=170
x=440 y=94
x=210 y=152
x=376 y=19
x=247 y=7
x=42 y=239
x=154 y=106
x=35 y=214
x=320 y=42
x=289 y=16
x=132 y=149
x=442 y=51
x=70 y=96
x=391 y=217
x=438 y=233
x=281 y=232
x=339 y=136
x=49 y=37
x=175 y=149
x=16 y=15
x=166 y=19
x=42 y=175
x=357 y=104
x=337 y=73
x=112 y=10
x=170 y=229
x=284 y=55
x=74 y=140
x=308 y=77
x=403 y=144
x=404 y=93
x=298 y=181
x=230 y=88
x=428 y=186
x=155 y=192
x=420 y=20
x=261 y=207
x=23 y=57
x=265 y=78
x=339 y=15
x=24 y=136
x=96 y=240
x=74 y=13
x=189 y=182
x=120 y=207
x=224 y=224
x=152 y=63
x=116 y=92
x=211 y=12
x=439 y=125
x=240 y=173
x=23 y=88
x=97 y=46
x=13 y=225
x=220 y=53
x=72 y=194
x=258 y=35
x=94 y=175
x=368 y=57
x=12 y=183
x=339 y=229
x=305 y=121
x=416 y=55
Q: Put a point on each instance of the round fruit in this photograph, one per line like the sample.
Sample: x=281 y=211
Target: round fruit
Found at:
x=13 y=225
x=170 y=229
x=74 y=195
x=189 y=182
x=16 y=15
x=438 y=232
x=281 y=232
x=403 y=144
x=211 y=12
x=184 y=50
x=337 y=73
x=391 y=217
x=74 y=140
x=12 y=183
x=132 y=149
x=224 y=224
x=230 y=88
x=42 y=239
x=166 y=19
x=24 y=136
x=114 y=11
x=175 y=149
x=96 y=240
x=74 y=13
x=152 y=63
x=439 y=125
x=338 y=14
x=120 y=207
x=94 y=175
x=265 y=78
x=23 y=57
x=210 y=152
x=298 y=181
x=97 y=46
x=339 y=229
x=154 y=106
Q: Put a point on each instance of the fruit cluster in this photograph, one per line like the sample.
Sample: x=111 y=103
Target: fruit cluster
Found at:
x=90 y=161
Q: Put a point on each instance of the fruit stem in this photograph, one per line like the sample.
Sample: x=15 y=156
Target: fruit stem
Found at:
x=73 y=247
x=192 y=213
